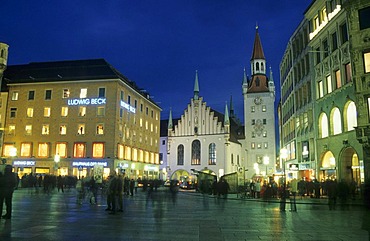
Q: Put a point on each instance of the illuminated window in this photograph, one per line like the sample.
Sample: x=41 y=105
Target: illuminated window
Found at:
x=367 y=62
x=43 y=150
x=63 y=129
x=336 y=122
x=31 y=95
x=141 y=155
x=81 y=129
x=100 y=111
x=351 y=116
x=79 y=150
x=29 y=112
x=45 y=129
x=98 y=150
x=121 y=152
x=8 y=149
x=66 y=93
x=47 y=111
x=146 y=125
x=28 y=129
x=15 y=95
x=329 y=84
x=348 y=72
x=263 y=108
x=259 y=146
x=265 y=145
x=134 y=154
x=338 y=80
x=127 y=153
x=264 y=134
x=253 y=145
x=61 y=149
x=11 y=130
x=13 y=112
x=253 y=108
x=212 y=154
x=324 y=126
x=195 y=152
x=99 y=129
x=82 y=111
x=151 y=127
x=83 y=93
x=64 y=111
x=320 y=89
x=141 y=122
x=26 y=149
x=47 y=94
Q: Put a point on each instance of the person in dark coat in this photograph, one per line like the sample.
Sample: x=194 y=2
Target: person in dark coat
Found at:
x=7 y=186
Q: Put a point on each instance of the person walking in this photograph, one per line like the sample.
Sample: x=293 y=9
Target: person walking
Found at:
x=294 y=190
x=7 y=186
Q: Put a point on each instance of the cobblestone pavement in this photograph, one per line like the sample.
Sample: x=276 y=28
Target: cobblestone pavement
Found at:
x=186 y=216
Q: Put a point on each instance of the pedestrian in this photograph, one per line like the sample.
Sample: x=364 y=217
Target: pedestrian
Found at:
x=132 y=186
x=294 y=190
x=331 y=188
x=60 y=183
x=119 y=192
x=7 y=186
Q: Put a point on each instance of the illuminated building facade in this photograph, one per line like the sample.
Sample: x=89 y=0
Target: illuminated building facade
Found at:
x=68 y=117
x=3 y=93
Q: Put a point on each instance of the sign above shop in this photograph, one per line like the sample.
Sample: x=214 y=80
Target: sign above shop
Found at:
x=128 y=107
x=89 y=164
x=24 y=163
x=87 y=101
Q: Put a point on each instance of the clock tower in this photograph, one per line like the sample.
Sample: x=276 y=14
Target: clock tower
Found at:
x=259 y=115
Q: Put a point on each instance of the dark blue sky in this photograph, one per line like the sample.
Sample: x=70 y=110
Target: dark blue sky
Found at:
x=158 y=44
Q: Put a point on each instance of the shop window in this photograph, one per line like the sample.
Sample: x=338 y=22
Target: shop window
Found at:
x=26 y=149
x=47 y=111
x=45 y=129
x=79 y=150
x=61 y=149
x=98 y=150
x=64 y=111
x=63 y=129
x=43 y=150
x=29 y=112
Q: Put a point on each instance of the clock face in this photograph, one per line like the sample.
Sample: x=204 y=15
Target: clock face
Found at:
x=258 y=100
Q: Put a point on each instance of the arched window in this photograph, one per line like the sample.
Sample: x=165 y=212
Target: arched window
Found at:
x=257 y=66
x=212 y=154
x=180 y=155
x=336 y=121
x=262 y=68
x=324 y=127
x=195 y=152
x=350 y=115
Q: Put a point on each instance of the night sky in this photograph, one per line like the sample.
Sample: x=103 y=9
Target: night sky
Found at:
x=158 y=44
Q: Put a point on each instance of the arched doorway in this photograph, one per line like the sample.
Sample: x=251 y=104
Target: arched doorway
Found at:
x=328 y=169
x=350 y=166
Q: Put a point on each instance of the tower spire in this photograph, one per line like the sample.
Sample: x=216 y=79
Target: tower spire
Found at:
x=196 y=86
x=170 y=125
x=227 y=119
x=231 y=106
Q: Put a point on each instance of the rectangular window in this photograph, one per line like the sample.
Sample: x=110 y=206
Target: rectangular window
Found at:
x=120 y=112
x=135 y=104
x=367 y=62
x=265 y=145
x=66 y=93
x=81 y=129
x=348 y=73
x=329 y=84
x=11 y=130
x=129 y=100
x=320 y=87
x=338 y=81
x=259 y=146
x=9 y=150
x=79 y=150
x=82 y=111
x=98 y=150
x=368 y=106
x=28 y=129
x=64 y=111
x=101 y=92
x=141 y=107
x=364 y=18
x=31 y=95
x=43 y=150
x=264 y=134
x=318 y=55
x=47 y=94
x=253 y=121
x=253 y=145
x=61 y=149
x=263 y=108
x=45 y=129
x=29 y=112
x=100 y=111
x=122 y=95
x=253 y=108
x=334 y=41
x=99 y=129
x=264 y=121
x=47 y=111
x=121 y=149
x=13 y=112
x=83 y=93
x=326 y=48
x=26 y=149
x=63 y=129
x=15 y=95
x=344 y=33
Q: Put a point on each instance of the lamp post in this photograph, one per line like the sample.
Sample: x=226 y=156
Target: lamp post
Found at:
x=283 y=157
x=266 y=161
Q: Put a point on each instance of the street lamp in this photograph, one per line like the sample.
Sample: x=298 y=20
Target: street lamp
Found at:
x=283 y=157
x=266 y=161
x=56 y=160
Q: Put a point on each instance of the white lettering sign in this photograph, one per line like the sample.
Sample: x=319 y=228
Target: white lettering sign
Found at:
x=128 y=107
x=89 y=164
x=24 y=163
x=87 y=101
